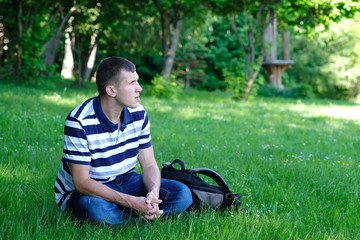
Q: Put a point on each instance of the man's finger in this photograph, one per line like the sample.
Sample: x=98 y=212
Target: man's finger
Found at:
x=150 y=201
x=155 y=211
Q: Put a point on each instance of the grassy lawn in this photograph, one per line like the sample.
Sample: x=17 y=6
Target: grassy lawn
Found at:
x=295 y=161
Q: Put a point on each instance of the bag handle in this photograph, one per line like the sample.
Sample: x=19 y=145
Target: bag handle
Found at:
x=215 y=176
x=205 y=171
x=178 y=161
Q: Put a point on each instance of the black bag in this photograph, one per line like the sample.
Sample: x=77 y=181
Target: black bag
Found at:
x=204 y=194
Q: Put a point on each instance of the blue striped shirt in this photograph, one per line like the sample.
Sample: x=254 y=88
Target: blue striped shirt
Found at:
x=90 y=138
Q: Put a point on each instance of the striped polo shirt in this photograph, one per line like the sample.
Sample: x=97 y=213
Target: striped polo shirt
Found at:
x=90 y=138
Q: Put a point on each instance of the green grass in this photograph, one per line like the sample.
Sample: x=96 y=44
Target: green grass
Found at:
x=295 y=161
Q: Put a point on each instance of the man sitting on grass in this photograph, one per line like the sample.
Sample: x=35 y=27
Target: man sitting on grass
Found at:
x=104 y=137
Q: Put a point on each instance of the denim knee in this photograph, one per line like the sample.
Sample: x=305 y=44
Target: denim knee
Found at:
x=185 y=196
x=176 y=196
x=97 y=210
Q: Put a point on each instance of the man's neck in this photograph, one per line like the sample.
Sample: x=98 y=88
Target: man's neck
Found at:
x=111 y=109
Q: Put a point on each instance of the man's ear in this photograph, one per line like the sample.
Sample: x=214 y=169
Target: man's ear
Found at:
x=110 y=90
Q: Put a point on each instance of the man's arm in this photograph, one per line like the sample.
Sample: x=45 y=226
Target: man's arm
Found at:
x=150 y=170
x=84 y=184
x=151 y=180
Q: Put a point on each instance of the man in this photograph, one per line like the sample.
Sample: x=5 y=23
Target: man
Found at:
x=104 y=137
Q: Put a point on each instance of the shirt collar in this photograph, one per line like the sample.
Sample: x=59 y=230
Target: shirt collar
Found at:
x=126 y=117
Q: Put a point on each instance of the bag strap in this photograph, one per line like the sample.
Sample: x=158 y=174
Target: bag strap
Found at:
x=205 y=171
x=215 y=176
x=169 y=165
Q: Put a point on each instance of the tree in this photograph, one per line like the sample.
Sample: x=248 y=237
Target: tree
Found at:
x=192 y=51
x=332 y=71
x=84 y=36
x=134 y=34
x=18 y=19
x=327 y=77
x=172 y=14
x=51 y=46
x=306 y=16
x=32 y=36
x=245 y=20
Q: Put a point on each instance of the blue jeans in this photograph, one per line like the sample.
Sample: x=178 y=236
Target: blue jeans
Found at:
x=176 y=197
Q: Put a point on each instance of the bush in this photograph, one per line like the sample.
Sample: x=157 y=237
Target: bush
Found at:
x=165 y=88
x=212 y=83
x=329 y=62
x=298 y=91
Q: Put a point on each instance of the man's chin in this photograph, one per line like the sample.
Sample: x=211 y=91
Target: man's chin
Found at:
x=133 y=106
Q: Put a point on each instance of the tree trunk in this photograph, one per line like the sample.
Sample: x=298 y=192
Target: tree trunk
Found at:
x=51 y=46
x=68 y=61
x=2 y=42
x=171 y=52
x=250 y=84
x=270 y=38
x=165 y=25
x=164 y=33
x=285 y=45
x=250 y=72
x=91 y=59
x=187 y=74
x=18 y=46
x=78 y=50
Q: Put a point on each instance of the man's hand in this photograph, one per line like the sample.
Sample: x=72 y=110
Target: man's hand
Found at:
x=153 y=203
x=147 y=207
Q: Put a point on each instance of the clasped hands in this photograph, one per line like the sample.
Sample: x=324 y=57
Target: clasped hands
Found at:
x=152 y=207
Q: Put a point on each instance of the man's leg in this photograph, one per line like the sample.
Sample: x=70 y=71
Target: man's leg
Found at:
x=97 y=210
x=101 y=211
x=176 y=197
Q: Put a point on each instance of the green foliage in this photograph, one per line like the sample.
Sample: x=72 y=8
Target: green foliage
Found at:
x=190 y=64
x=28 y=31
x=298 y=91
x=235 y=50
x=306 y=16
x=33 y=67
x=329 y=62
x=166 y=88
x=134 y=34
x=224 y=52
x=148 y=66
x=133 y=29
x=212 y=83
x=236 y=83
x=222 y=55
x=6 y=74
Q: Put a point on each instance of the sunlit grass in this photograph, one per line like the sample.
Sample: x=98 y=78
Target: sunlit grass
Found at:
x=295 y=161
x=332 y=111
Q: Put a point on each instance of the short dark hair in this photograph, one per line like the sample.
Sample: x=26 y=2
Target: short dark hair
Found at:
x=108 y=71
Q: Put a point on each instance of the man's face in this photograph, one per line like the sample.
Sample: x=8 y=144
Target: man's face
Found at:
x=128 y=90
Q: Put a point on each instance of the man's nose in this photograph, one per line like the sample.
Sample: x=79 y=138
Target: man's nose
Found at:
x=139 y=88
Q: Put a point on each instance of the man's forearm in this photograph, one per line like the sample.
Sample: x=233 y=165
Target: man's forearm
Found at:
x=151 y=179
x=93 y=188
x=84 y=184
